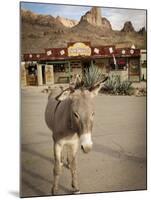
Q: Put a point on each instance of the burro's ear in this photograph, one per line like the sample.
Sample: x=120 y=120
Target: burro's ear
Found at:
x=64 y=94
x=95 y=89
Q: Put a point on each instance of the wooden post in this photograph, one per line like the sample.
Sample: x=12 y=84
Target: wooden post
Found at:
x=69 y=68
x=23 y=74
x=39 y=74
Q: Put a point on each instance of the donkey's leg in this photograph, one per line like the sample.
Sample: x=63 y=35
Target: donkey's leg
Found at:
x=73 y=168
x=57 y=167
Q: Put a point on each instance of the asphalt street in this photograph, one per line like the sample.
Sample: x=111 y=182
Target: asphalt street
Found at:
x=117 y=161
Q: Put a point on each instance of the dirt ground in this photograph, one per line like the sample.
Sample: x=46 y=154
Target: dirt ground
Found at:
x=116 y=163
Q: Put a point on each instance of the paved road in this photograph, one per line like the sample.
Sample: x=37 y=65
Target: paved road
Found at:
x=117 y=161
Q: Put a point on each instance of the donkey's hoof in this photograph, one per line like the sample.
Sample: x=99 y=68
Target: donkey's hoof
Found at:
x=76 y=192
x=54 y=191
x=68 y=166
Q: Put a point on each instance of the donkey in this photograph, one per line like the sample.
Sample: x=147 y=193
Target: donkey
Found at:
x=70 y=114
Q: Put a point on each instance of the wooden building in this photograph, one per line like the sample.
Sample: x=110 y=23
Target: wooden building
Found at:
x=59 y=65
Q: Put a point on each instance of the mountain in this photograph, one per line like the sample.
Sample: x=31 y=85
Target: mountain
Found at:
x=106 y=23
x=42 y=20
x=142 y=31
x=93 y=17
x=67 y=22
x=128 y=27
x=45 y=31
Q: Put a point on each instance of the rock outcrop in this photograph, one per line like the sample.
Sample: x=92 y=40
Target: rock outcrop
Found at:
x=106 y=23
x=128 y=27
x=43 y=20
x=142 y=31
x=45 y=31
x=93 y=17
x=67 y=22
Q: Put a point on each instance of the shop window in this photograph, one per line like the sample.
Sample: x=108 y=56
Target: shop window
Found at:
x=144 y=64
x=59 y=67
x=32 y=70
x=31 y=74
x=134 y=67
x=120 y=64
x=75 y=64
x=134 y=70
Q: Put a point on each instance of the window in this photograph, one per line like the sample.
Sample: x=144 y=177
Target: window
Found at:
x=32 y=69
x=121 y=64
x=75 y=64
x=59 y=67
x=134 y=69
x=134 y=66
x=144 y=64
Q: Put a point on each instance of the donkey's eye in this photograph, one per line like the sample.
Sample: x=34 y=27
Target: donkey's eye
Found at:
x=93 y=114
x=76 y=115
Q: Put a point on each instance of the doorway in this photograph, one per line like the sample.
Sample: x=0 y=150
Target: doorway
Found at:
x=85 y=65
x=43 y=75
x=134 y=70
x=32 y=75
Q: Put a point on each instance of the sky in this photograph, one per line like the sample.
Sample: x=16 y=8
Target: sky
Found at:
x=116 y=16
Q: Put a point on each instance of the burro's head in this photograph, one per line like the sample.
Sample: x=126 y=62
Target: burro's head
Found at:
x=82 y=112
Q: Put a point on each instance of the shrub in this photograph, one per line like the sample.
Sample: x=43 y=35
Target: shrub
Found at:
x=91 y=76
x=114 y=85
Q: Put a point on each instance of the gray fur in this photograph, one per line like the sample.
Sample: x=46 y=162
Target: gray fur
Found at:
x=69 y=114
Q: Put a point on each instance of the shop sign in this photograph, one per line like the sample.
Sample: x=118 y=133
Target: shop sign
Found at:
x=79 y=49
x=49 y=74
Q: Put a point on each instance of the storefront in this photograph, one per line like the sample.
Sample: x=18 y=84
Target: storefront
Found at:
x=59 y=65
x=143 y=63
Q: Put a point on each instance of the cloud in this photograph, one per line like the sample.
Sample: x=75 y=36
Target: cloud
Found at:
x=118 y=17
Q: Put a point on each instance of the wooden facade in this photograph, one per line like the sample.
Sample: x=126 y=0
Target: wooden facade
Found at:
x=71 y=60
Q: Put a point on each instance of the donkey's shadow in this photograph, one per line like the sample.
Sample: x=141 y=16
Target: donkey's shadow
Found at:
x=119 y=154
x=37 y=176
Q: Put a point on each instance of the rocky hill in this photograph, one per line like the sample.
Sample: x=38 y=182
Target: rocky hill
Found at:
x=142 y=31
x=106 y=24
x=93 y=17
x=128 y=27
x=42 y=20
x=45 y=31
x=67 y=22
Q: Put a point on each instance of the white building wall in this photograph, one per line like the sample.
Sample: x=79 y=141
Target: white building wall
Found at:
x=143 y=62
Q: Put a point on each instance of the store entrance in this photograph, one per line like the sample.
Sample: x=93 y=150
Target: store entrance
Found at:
x=43 y=75
x=134 y=70
x=85 y=65
x=32 y=75
x=61 y=72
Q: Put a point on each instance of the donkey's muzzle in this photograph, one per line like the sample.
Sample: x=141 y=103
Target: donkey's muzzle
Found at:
x=86 y=142
x=86 y=149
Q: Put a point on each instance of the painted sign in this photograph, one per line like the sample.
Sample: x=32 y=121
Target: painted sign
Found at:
x=49 y=74
x=79 y=49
